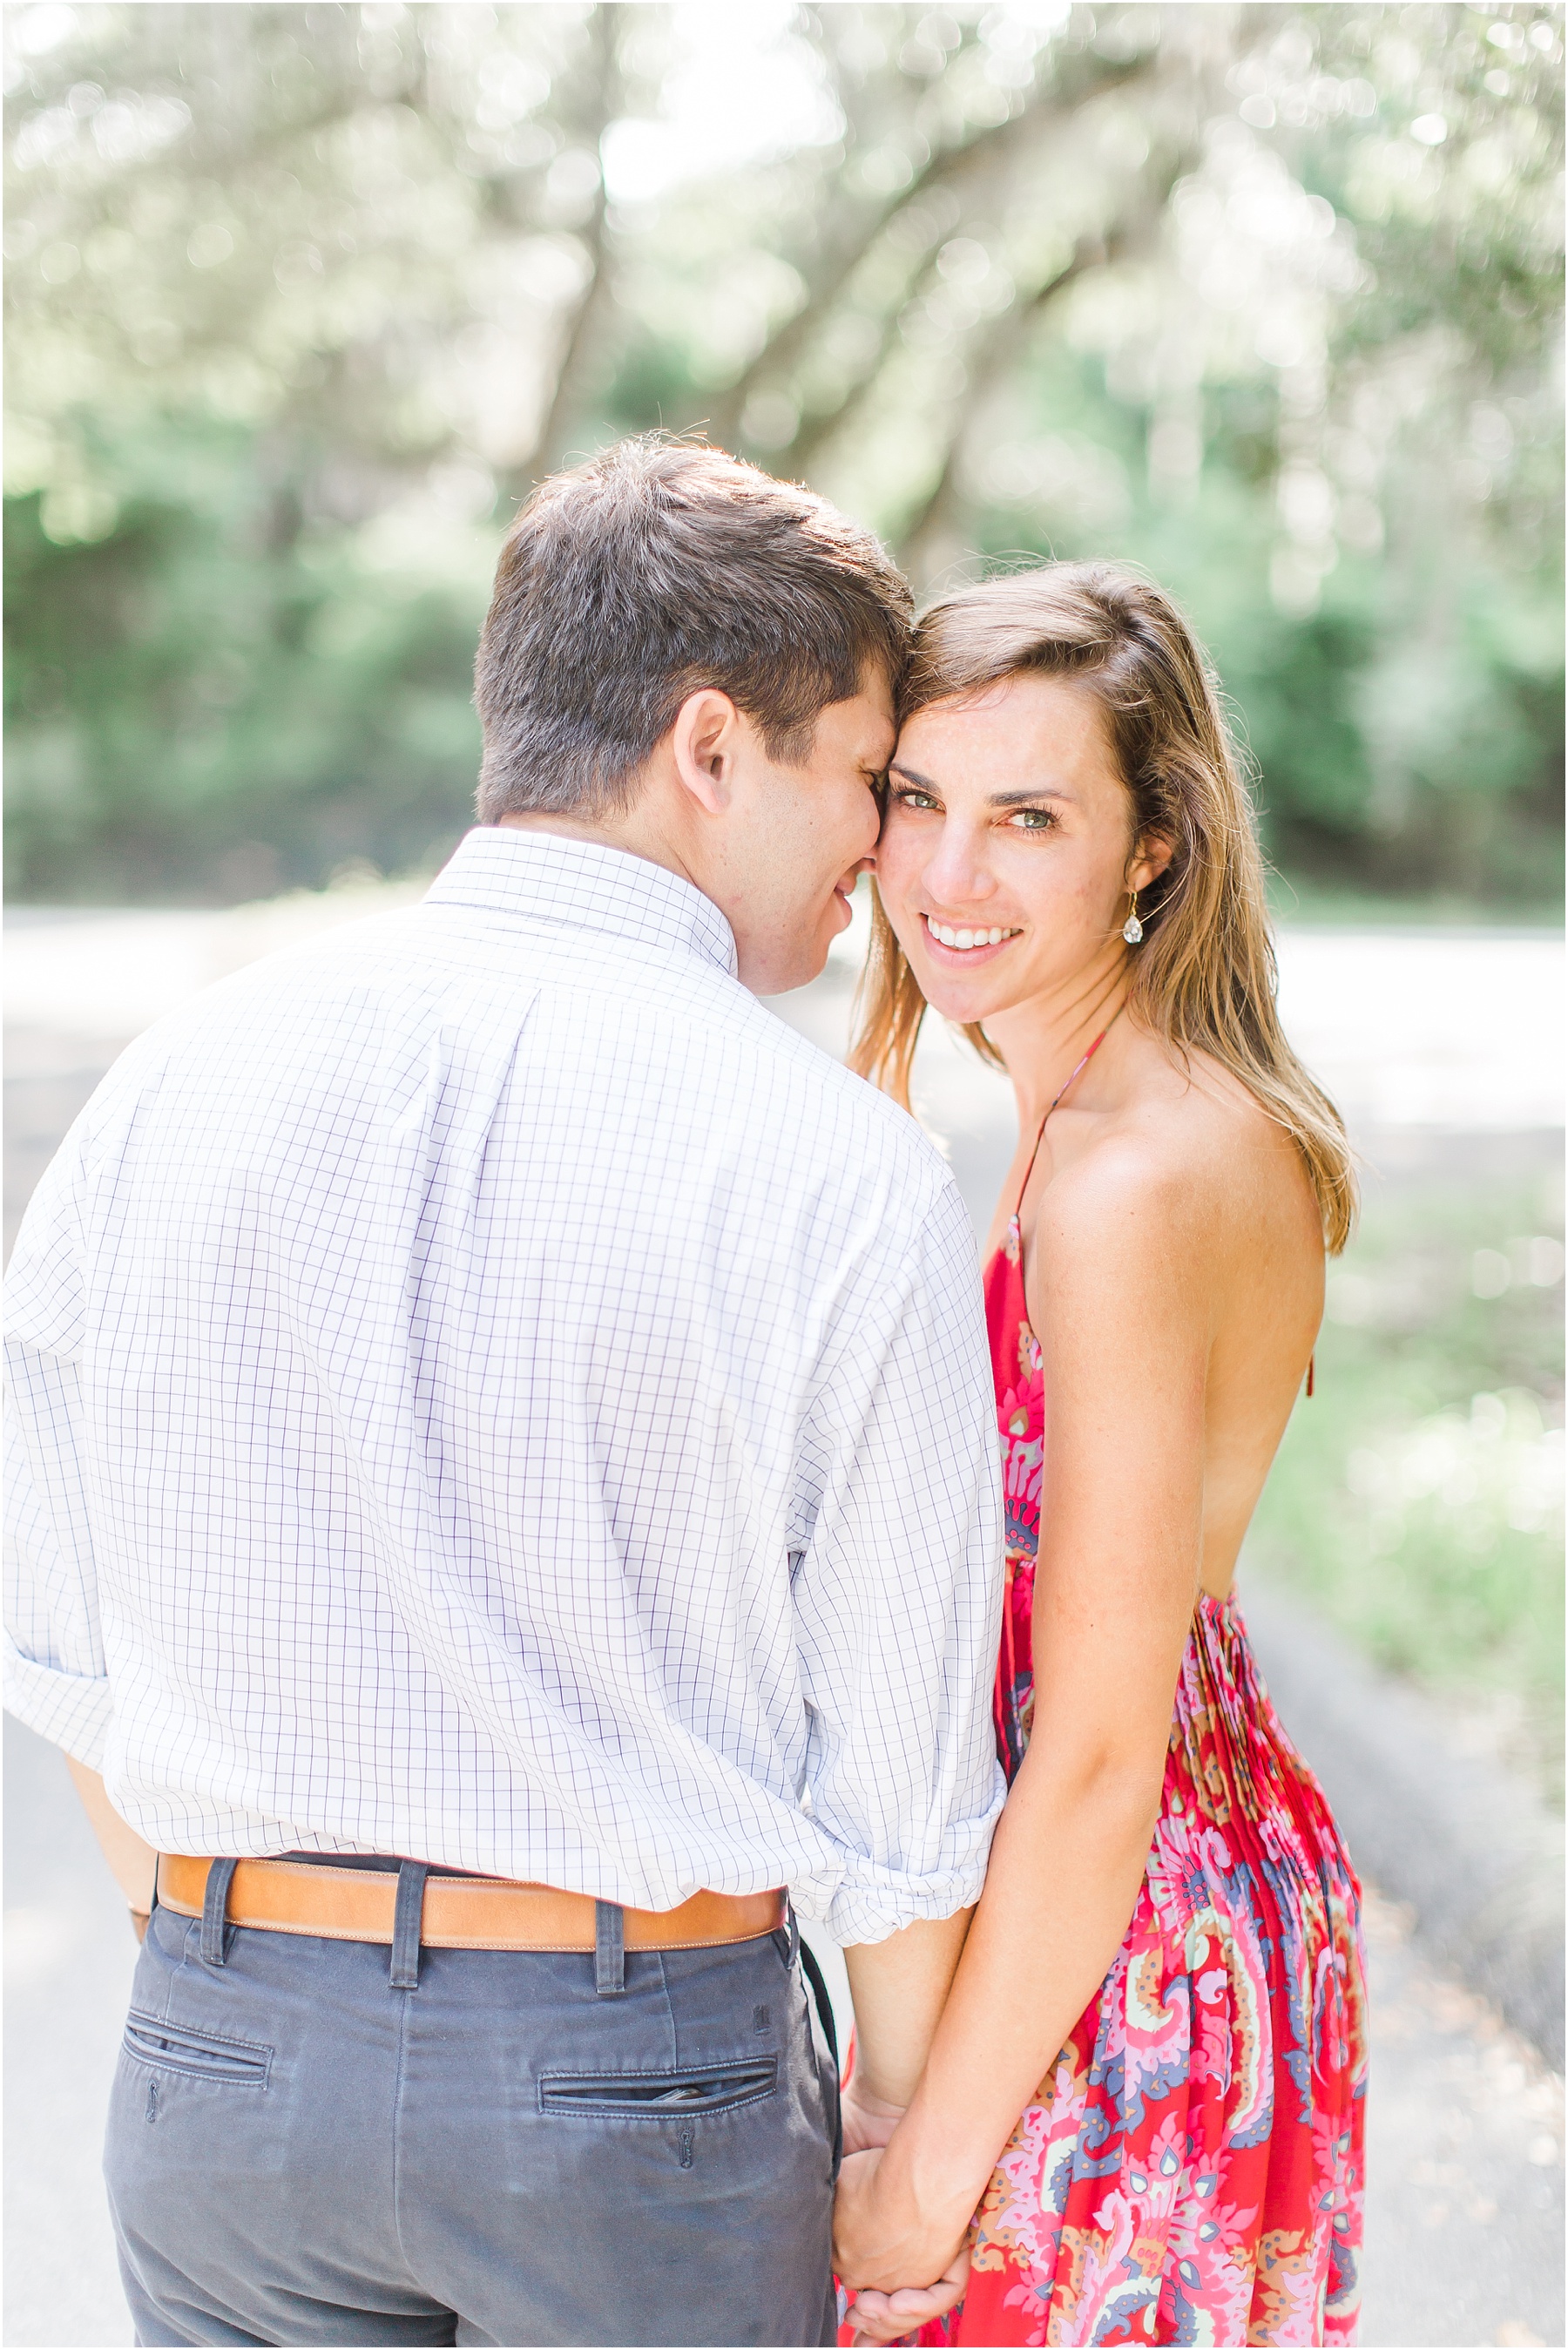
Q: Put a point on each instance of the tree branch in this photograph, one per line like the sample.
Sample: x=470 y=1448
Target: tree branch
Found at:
x=816 y=429
x=992 y=354
x=597 y=294
x=1002 y=344
x=948 y=163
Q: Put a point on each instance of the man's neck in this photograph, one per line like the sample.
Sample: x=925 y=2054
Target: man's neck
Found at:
x=633 y=833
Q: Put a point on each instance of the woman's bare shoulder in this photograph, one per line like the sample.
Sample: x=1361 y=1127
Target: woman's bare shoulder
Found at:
x=1194 y=1163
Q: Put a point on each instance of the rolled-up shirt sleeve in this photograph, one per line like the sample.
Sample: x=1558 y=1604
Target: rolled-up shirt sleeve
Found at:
x=899 y=1592
x=56 y=1678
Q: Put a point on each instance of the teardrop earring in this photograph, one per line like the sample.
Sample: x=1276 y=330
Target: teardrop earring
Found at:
x=1132 y=928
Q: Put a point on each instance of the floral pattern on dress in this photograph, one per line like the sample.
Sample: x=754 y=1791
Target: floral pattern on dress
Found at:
x=1192 y=2169
x=1021 y=1413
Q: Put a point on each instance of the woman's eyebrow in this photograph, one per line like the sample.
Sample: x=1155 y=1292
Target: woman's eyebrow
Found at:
x=994 y=799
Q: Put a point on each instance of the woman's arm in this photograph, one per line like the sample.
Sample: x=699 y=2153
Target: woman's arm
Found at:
x=898 y=1988
x=1120 y=1290
x=134 y=1863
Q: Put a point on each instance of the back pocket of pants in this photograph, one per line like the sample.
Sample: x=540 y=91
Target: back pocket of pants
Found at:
x=196 y=2055
x=672 y=2095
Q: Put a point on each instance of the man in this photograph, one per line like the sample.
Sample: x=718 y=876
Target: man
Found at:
x=505 y=1494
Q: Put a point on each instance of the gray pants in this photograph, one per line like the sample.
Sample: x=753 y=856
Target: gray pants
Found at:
x=512 y=2150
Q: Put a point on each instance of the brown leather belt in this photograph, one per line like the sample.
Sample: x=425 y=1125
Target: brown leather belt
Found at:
x=461 y=1913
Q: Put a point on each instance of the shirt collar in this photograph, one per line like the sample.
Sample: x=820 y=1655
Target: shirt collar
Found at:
x=545 y=878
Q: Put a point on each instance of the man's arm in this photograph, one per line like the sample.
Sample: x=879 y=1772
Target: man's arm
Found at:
x=896 y=1603
x=897 y=1598
x=132 y=1861
x=56 y=1679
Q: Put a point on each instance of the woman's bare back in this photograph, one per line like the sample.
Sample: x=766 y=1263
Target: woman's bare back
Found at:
x=1228 y=1191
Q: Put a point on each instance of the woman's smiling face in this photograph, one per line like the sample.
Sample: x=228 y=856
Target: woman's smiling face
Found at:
x=1007 y=853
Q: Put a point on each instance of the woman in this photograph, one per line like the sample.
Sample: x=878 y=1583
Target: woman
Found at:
x=1149 y=2074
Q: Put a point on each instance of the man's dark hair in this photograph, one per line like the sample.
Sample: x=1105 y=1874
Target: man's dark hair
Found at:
x=654 y=570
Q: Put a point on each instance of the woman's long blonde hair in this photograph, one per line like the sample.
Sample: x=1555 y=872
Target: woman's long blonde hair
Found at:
x=1204 y=979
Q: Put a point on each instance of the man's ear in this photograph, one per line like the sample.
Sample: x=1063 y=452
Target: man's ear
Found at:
x=704 y=743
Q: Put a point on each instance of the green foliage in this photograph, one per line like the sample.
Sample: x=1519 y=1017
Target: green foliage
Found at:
x=1402 y=748
x=214 y=701
x=302 y=300
x=1418 y=1498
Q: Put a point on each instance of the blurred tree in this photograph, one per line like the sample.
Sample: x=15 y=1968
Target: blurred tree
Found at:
x=304 y=297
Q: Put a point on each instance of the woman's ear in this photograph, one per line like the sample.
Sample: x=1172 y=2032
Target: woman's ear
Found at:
x=1151 y=854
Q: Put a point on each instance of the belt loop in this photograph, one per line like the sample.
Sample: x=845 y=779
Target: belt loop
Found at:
x=609 y=1950
x=794 y=1924
x=214 y=1911
x=408 y=1922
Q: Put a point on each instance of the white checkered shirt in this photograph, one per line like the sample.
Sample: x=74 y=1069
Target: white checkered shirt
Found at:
x=483 y=1389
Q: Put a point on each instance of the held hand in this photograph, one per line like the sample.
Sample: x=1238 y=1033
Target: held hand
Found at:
x=884 y=2243
x=892 y=2316
x=869 y=2121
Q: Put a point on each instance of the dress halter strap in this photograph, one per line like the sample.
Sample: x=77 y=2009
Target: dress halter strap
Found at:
x=1014 y=1243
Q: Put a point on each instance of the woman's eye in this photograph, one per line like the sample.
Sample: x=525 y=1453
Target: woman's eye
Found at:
x=1031 y=819
x=907 y=798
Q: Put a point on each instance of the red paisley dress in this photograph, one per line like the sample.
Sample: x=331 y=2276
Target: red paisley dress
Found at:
x=1192 y=2169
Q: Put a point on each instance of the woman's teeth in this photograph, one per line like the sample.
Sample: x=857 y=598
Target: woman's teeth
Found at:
x=962 y=940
